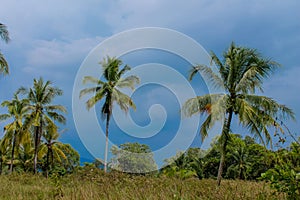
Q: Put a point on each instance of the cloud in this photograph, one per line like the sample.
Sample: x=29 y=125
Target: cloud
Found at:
x=49 y=18
x=51 y=38
x=56 y=53
x=284 y=88
x=215 y=14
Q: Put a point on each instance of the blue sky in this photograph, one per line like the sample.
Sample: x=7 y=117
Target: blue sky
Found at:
x=52 y=38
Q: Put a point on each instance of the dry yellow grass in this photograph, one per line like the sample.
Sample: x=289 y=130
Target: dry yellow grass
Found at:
x=94 y=184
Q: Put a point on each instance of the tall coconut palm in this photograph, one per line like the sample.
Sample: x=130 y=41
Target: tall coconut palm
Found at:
x=43 y=113
x=4 y=35
x=14 y=131
x=110 y=90
x=241 y=73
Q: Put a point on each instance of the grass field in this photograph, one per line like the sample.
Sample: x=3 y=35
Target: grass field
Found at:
x=94 y=184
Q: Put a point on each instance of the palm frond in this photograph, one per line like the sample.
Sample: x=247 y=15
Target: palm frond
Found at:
x=29 y=120
x=128 y=82
x=219 y=106
x=251 y=118
x=206 y=125
x=49 y=123
x=90 y=79
x=94 y=99
x=196 y=105
x=123 y=100
x=4 y=34
x=124 y=70
x=26 y=137
x=57 y=117
x=58 y=154
x=208 y=74
x=49 y=94
x=110 y=68
x=249 y=81
x=88 y=91
x=42 y=151
x=3 y=65
x=22 y=90
x=200 y=104
x=217 y=61
x=270 y=107
x=4 y=117
x=60 y=108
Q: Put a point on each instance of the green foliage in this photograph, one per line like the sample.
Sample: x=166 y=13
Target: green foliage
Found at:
x=285 y=176
x=185 y=165
x=57 y=190
x=238 y=158
x=211 y=164
x=284 y=179
x=64 y=160
x=31 y=132
x=133 y=158
x=245 y=160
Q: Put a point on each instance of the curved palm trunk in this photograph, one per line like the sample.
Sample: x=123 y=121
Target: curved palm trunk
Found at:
x=225 y=133
x=106 y=142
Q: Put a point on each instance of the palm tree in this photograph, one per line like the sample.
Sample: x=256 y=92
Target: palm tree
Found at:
x=241 y=163
x=4 y=35
x=43 y=112
x=14 y=131
x=110 y=90
x=26 y=152
x=51 y=148
x=180 y=166
x=240 y=73
x=4 y=148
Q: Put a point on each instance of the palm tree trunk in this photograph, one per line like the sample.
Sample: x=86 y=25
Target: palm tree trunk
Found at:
x=241 y=174
x=37 y=140
x=225 y=133
x=241 y=170
x=51 y=159
x=12 y=154
x=1 y=165
x=35 y=149
x=47 y=163
x=106 y=142
x=221 y=166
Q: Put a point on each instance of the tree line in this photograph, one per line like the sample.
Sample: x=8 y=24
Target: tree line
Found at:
x=30 y=141
x=245 y=159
